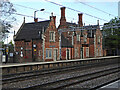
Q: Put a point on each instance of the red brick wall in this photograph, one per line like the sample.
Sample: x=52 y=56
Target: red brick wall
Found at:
x=28 y=52
x=63 y=53
x=51 y=44
x=99 y=45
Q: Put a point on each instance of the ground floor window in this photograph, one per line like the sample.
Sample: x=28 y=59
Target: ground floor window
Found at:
x=39 y=52
x=97 y=52
x=100 y=52
x=87 y=51
x=48 y=53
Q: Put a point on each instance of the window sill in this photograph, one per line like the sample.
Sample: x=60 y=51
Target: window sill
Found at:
x=48 y=58
x=51 y=41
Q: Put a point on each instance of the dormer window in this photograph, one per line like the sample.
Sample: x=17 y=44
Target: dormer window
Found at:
x=52 y=36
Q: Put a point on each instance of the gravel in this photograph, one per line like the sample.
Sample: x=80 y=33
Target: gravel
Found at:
x=53 y=77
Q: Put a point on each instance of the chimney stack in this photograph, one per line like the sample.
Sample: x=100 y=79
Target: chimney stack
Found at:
x=63 y=19
x=53 y=17
x=80 y=19
x=62 y=11
x=35 y=19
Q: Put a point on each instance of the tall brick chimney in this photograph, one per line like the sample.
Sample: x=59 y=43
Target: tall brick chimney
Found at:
x=80 y=19
x=62 y=19
x=53 y=17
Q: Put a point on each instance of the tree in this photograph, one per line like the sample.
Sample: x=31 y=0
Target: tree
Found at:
x=6 y=18
x=6 y=11
x=111 y=36
x=11 y=46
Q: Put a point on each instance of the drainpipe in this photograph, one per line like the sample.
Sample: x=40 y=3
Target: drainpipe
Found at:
x=43 y=45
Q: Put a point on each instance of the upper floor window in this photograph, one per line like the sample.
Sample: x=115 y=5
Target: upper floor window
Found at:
x=85 y=38
x=52 y=36
x=78 y=37
x=98 y=39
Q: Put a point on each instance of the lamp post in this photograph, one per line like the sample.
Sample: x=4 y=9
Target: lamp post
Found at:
x=35 y=13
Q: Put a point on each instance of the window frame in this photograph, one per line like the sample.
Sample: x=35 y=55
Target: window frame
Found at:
x=85 y=38
x=52 y=36
x=87 y=51
x=78 y=37
x=48 y=50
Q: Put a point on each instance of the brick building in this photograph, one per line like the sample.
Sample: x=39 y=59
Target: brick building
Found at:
x=42 y=41
x=37 y=41
x=86 y=40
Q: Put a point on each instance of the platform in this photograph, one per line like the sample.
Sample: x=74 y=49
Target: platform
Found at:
x=115 y=86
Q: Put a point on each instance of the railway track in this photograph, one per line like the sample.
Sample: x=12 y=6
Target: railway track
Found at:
x=68 y=82
x=59 y=83
x=30 y=75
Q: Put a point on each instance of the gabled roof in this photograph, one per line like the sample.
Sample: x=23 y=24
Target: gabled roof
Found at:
x=32 y=30
x=65 y=42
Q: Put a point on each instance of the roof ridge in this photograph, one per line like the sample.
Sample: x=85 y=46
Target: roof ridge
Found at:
x=37 y=22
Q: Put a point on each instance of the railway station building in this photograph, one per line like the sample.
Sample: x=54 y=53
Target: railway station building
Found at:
x=43 y=41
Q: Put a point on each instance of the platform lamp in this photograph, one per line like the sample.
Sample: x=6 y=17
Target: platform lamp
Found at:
x=36 y=19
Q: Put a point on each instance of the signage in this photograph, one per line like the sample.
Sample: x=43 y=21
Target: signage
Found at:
x=35 y=50
x=11 y=54
x=21 y=55
x=34 y=45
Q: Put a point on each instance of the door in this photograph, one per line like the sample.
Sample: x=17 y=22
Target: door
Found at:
x=67 y=54
x=55 y=54
x=81 y=53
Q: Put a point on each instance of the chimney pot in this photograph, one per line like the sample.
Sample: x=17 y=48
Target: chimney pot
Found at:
x=35 y=19
x=53 y=17
x=97 y=22
x=62 y=11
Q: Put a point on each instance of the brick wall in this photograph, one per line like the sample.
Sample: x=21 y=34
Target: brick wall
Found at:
x=53 y=45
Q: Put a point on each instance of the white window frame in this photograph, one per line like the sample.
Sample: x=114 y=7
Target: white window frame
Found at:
x=49 y=50
x=97 y=52
x=39 y=52
x=52 y=36
x=98 y=39
x=100 y=52
x=78 y=37
x=76 y=52
x=87 y=51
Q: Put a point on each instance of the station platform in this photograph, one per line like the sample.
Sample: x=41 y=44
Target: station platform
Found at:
x=112 y=86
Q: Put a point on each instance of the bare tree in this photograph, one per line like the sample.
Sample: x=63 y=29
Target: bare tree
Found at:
x=6 y=16
x=6 y=20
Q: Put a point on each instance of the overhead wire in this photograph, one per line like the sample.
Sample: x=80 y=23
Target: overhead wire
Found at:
x=77 y=10
x=47 y=12
x=96 y=8
x=23 y=15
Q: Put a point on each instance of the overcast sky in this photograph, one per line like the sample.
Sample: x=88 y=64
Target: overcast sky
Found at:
x=90 y=15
